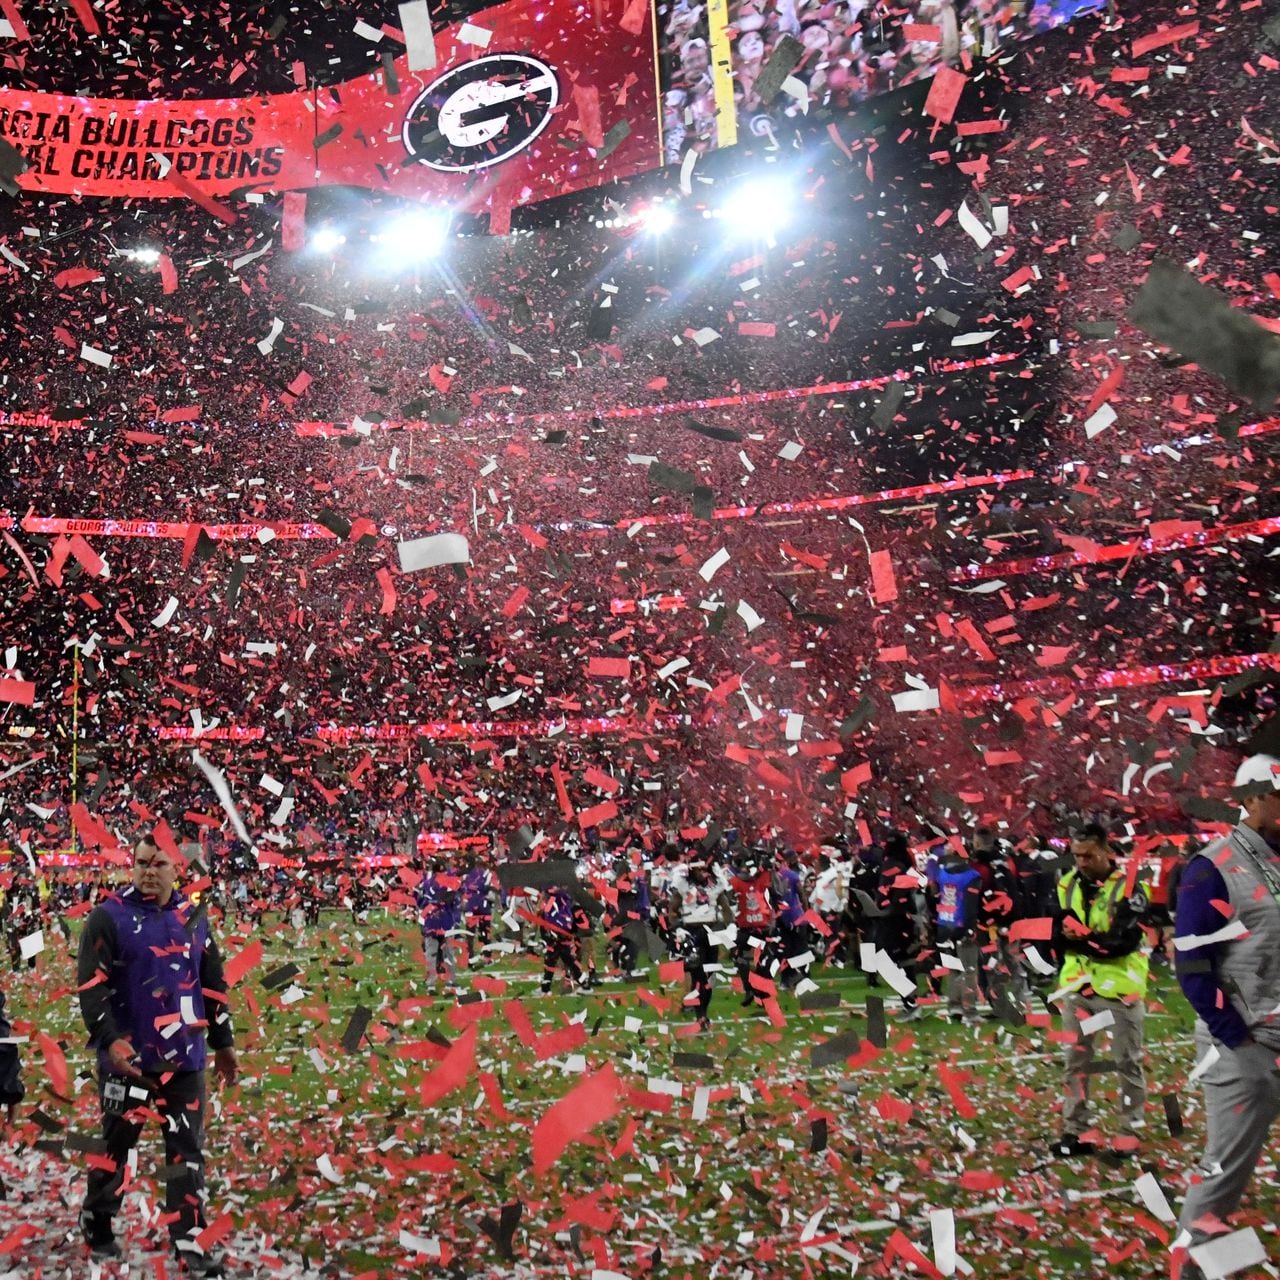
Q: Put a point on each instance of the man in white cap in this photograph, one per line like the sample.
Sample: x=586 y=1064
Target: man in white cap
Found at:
x=1227 y=939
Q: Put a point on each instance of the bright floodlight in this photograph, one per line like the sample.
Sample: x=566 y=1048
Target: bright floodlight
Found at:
x=758 y=208
x=147 y=256
x=658 y=219
x=417 y=235
x=327 y=240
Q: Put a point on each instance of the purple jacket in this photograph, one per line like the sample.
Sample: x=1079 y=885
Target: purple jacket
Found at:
x=557 y=909
x=476 y=891
x=140 y=964
x=438 y=905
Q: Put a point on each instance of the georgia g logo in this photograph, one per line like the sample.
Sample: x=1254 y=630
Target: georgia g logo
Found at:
x=481 y=113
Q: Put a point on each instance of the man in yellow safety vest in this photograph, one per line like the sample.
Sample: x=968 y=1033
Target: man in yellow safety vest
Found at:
x=1103 y=981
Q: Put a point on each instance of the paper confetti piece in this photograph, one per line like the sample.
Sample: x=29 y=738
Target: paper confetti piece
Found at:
x=242 y=962
x=712 y=564
x=419 y=39
x=430 y=552
x=469 y=33
x=944 y=94
x=884 y=586
x=55 y=1063
x=592 y=1102
x=21 y=693
x=95 y=355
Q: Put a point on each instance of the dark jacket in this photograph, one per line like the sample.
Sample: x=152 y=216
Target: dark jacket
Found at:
x=11 y=1088
x=142 y=964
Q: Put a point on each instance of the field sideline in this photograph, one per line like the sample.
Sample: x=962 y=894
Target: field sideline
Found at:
x=724 y=1154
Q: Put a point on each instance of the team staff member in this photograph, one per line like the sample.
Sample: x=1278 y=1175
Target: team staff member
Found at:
x=149 y=964
x=1104 y=971
x=1234 y=986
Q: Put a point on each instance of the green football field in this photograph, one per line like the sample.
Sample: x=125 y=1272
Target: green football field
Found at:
x=439 y=1142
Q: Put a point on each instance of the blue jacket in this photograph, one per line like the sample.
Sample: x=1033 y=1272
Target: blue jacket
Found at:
x=958 y=886
x=141 y=963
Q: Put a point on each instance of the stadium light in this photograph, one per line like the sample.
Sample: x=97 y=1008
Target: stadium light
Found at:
x=658 y=219
x=148 y=257
x=759 y=208
x=417 y=235
x=327 y=240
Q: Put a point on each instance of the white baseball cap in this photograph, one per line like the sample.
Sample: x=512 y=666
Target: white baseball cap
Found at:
x=1259 y=768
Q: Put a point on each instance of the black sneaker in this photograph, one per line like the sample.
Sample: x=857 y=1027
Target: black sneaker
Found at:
x=192 y=1263
x=104 y=1250
x=1071 y=1144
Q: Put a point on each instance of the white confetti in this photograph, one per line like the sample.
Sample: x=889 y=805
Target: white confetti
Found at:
x=1153 y=1197
x=942 y=1227
x=223 y=791
x=916 y=700
x=163 y=617
x=1100 y=421
x=970 y=223
x=1225 y=1255
x=428 y=1246
x=438 y=549
x=267 y=343
x=713 y=563
x=1092 y=1025
x=469 y=33
x=95 y=355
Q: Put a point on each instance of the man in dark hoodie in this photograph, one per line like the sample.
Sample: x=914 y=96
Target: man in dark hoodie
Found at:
x=895 y=899
x=151 y=991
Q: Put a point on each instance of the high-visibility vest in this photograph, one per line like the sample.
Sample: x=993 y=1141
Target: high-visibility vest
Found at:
x=1115 y=978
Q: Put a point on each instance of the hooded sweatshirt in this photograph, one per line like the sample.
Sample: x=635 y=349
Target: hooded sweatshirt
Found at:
x=153 y=975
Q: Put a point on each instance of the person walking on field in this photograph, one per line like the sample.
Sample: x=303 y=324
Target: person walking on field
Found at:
x=1227 y=945
x=1104 y=979
x=152 y=995
x=439 y=913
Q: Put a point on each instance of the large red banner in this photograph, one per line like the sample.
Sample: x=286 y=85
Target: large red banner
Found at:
x=524 y=102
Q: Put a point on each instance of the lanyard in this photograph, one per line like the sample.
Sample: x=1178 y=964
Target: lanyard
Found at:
x=1264 y=868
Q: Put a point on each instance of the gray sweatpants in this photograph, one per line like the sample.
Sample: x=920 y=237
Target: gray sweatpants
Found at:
x=961 y=986
x=439 y=957
x=1239 y=1113
x=1126 y=1047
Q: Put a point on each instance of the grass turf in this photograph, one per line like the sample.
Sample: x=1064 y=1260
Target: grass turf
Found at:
x=332 y=1154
